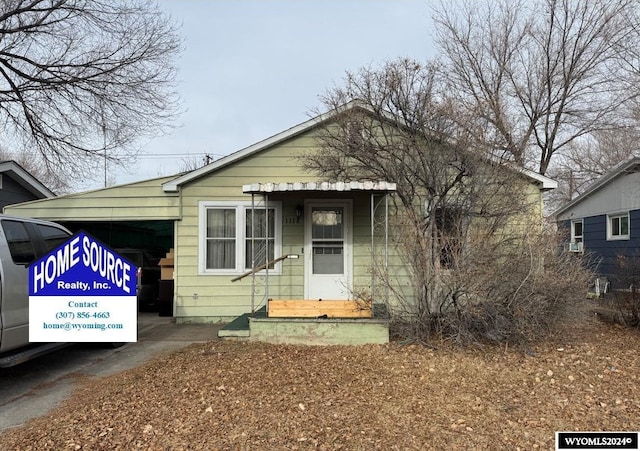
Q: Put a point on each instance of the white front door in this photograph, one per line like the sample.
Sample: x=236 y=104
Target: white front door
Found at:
x=328 y=258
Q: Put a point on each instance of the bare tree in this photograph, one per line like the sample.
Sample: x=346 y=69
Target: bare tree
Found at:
x=456 y=205
x=541 y=74
x=84 y=78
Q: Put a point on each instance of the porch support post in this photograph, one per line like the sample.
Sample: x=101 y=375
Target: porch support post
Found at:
x=253 y=252
x=386 y=245
x=373 y=253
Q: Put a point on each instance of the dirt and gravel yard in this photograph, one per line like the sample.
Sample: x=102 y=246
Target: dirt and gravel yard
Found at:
x=234 y=395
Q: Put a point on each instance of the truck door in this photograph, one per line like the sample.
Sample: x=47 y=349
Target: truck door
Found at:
x=14 y=303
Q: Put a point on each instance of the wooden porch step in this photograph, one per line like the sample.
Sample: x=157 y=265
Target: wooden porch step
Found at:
x=314 y=308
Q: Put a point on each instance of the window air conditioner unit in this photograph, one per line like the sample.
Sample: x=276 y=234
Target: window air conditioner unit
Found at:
x=574 y=247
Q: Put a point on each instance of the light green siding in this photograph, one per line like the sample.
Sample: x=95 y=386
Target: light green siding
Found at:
x=136 y=202
x=200 y=297
x=215 y=296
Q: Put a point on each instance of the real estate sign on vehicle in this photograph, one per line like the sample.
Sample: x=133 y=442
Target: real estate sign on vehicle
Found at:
x=82 y=291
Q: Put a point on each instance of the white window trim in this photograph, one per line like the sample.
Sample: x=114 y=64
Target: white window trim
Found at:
x=610 y=235
x=573 y=230
x=240 y=207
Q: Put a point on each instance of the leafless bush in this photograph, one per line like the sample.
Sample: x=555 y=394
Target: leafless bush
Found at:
x=515 y=295
x=476 y=265
x=622 y=305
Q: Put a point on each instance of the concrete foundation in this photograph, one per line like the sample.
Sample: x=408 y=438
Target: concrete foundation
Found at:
x=308 y=331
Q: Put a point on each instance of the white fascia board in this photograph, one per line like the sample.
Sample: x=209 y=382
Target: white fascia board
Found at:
x=545 y=182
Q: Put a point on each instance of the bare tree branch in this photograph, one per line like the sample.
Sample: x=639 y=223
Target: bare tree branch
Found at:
x=82 y=78
x=540 y=74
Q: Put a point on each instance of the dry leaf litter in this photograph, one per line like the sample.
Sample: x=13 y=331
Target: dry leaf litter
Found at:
x=240 y=395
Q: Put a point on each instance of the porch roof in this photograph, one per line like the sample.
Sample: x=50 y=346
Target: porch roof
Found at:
x=366 y=185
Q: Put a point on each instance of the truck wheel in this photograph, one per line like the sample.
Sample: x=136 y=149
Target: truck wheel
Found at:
x=115 y=344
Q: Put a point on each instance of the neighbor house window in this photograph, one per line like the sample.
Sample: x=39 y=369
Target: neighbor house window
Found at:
x=618 y=226
x=575 y=245
x=576 y=231
x=226 y=230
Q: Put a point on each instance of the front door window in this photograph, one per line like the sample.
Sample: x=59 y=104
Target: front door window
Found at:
x=328 y=240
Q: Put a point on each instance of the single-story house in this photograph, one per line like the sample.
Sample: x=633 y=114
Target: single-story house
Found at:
x=320 y=237
x=604 y=221
x=18 y=185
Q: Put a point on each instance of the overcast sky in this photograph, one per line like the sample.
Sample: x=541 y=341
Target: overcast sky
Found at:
x=251 y=68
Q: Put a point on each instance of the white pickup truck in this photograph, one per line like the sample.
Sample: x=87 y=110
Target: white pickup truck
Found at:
x=22 y=241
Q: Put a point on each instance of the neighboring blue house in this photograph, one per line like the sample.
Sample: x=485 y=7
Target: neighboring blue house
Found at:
x=17 y=185
x=605 y=221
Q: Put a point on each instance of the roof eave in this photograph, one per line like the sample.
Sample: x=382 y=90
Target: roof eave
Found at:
x=174 y=185
x=546 y=184
x=599 y=183
x=25 y=179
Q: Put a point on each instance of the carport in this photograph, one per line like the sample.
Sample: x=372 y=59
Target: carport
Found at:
x=131 y=215
x=128 y=234
x=138 y=215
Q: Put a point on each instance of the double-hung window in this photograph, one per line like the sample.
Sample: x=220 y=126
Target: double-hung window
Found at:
x=576 y=231
x=256 y=230
x=234 y=237
x=448 y=221
x=577 y=227
x=220 y=238
x=618 y=226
